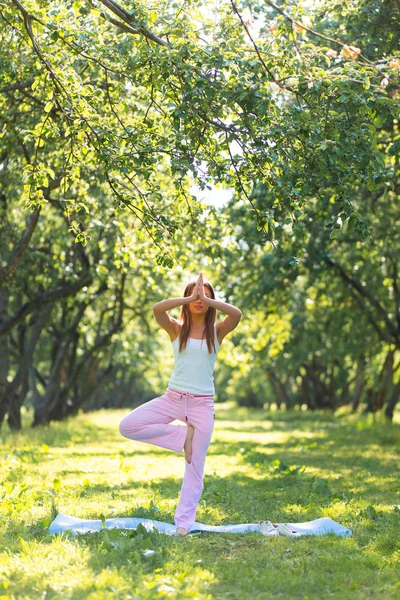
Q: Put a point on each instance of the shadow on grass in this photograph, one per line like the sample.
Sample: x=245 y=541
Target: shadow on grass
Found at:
x=140 y=555
x=339 y=468
x=76 y=431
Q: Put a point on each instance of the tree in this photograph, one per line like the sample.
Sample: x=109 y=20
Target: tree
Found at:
x=110 y=112
x=174 y=91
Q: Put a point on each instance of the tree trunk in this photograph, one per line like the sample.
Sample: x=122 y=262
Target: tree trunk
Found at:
x=385 y=379
x=308 y=395
x=369 y=407
x=281 y=389
x=17 y=390
x=392 y=401
x=359 y=386
x=83 y=399
x=63 y=405
x=4 y=353
x=39 y=406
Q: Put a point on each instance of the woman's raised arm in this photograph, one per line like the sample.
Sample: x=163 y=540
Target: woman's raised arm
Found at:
x=233 y=313
x=163 y=318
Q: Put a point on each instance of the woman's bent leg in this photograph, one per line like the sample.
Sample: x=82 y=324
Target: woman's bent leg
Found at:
x=150 y=423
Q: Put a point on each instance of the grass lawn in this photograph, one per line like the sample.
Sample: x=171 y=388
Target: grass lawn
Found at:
x=260 y=465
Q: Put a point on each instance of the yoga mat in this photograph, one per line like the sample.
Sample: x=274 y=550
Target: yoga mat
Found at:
x=67 y=523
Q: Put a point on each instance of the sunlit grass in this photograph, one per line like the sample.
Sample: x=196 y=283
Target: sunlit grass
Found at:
x=281 y=466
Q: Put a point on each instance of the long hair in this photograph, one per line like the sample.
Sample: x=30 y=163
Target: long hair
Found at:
x=186 y=319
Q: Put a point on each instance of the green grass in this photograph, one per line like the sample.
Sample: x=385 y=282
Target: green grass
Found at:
x=284 y=467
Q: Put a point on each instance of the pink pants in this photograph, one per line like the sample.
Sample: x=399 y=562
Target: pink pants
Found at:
x=150 y=423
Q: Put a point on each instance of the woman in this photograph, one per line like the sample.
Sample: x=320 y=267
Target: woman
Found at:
x=196 y=340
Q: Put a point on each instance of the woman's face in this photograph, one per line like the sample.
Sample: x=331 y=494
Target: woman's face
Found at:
x=198 y=307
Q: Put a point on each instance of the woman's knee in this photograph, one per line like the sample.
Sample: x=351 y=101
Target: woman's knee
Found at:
x=128 y=426
x=122 y=427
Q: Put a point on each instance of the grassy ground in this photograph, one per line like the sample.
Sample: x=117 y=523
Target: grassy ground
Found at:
x=284 y=467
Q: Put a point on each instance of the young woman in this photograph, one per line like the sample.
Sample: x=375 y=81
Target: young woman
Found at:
x=196 y=340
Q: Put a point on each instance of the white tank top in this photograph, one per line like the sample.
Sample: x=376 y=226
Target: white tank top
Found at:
x=194 y=367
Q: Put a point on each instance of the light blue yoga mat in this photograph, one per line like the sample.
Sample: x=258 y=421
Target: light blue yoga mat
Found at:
x=67 y=523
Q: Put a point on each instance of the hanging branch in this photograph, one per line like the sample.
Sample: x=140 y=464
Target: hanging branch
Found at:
x=256 y=48
x=327 y=38
x=131 y=26
x=28 y=18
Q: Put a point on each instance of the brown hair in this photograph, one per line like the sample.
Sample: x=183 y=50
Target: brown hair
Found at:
x=186 y=319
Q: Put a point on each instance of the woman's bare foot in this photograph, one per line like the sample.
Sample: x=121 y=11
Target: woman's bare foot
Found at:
x=188 y=443
x=181 y=531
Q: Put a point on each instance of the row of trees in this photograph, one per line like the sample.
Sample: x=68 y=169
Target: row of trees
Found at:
x=326 y=333
x=110 y=113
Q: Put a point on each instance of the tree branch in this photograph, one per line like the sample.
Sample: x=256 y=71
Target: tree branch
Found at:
x=395 y=276
x=21 y=246
x=365 y=294
x=328 y=39
x=61 y=291
x=274 y=79
x=12 y=87
x=130 y=20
